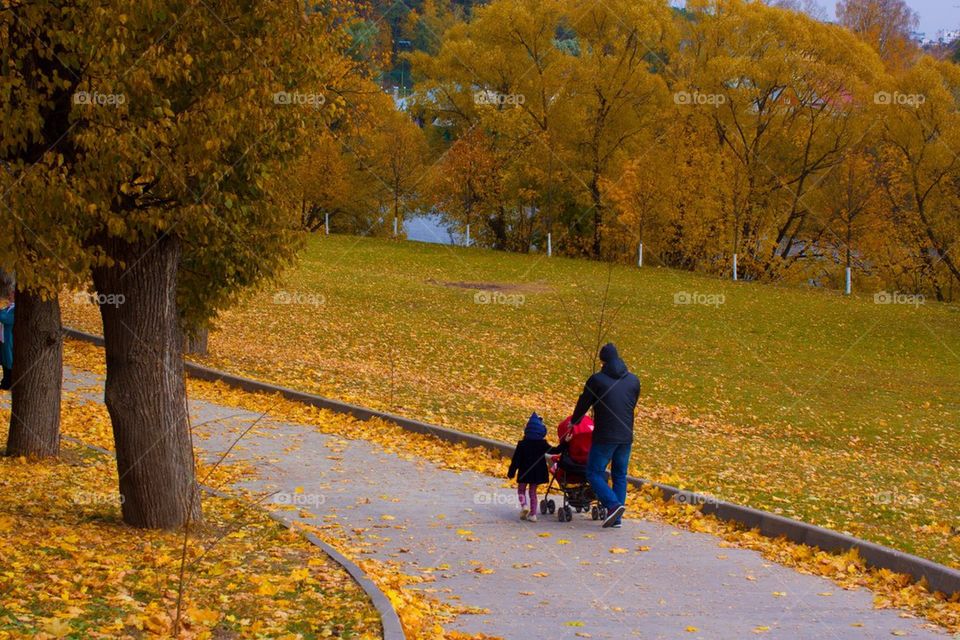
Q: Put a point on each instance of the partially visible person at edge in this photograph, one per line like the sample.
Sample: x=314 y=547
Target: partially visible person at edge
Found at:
x=612 y=393
x=6 y=337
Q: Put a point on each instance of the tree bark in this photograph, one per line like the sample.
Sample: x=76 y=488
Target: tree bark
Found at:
x=597 y=200
x=37 y=378
x=498 y=225
x=145 y=391
x=196 y=343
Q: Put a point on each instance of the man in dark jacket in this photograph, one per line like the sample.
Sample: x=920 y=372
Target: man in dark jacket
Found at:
x=612 y=393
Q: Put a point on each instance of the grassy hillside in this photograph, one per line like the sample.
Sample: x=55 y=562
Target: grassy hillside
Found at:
x=835 y=410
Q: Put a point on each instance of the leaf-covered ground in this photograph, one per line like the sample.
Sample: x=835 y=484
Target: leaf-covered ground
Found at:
x=422 y=617
x=71 y=569
x=840 y=412
x=239 y=546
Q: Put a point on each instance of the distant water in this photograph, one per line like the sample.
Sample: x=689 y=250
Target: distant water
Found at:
x=428 y=228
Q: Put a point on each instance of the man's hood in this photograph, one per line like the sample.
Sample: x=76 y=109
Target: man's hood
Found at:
x=613 y=366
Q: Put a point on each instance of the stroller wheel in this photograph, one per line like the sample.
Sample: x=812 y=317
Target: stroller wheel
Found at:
x=552 y=506
x=595 y=513
x=603 y=513
x=579 y=509
x=562 y=515
x=568 y=514
x=543 y=506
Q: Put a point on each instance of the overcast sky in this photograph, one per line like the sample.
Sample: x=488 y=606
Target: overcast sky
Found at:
x=934 y=14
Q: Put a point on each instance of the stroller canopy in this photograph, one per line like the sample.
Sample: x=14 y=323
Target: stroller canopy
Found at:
x=582 y=438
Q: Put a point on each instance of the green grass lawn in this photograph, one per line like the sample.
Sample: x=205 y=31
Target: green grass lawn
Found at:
x=835 y=410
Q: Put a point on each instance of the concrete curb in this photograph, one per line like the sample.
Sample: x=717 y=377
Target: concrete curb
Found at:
x=938 y=577
x=389 y=620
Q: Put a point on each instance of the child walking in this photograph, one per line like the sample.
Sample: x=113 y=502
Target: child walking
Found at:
x=529 y=465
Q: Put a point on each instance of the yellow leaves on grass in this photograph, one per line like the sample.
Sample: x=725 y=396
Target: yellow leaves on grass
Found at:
x=420 y=616
x=57 y=627
x=205 y=617
x=72 y=569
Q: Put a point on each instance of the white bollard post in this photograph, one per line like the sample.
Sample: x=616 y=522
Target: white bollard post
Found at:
x=549 y=245
x=468 y=235
x=849 y=283
x=640 y=256
x=326 y=223
x=734 y=267
x=394 y=226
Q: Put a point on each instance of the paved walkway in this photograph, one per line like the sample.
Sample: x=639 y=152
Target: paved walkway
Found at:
x=544 y=579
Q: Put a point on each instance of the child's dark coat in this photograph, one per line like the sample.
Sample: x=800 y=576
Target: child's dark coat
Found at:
x=529 y=463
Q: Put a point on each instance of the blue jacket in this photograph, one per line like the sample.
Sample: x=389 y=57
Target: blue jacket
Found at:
x=6 y=349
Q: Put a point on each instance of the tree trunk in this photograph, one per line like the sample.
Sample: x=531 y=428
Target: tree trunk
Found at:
x=37 y=378
x=145 y=390
x=597 y=200
x=196 y=342
x=498 y=225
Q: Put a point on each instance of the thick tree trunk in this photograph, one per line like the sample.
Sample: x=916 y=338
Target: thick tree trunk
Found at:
x=37 y=378
x=145 y=391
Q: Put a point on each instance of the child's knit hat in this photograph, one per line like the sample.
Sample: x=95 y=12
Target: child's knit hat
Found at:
x=536 y=429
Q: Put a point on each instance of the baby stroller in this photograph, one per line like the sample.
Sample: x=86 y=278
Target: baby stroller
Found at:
x=569 y=471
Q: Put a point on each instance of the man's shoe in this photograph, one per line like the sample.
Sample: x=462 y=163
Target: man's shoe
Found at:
x=613 y=517
x=616 y=525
